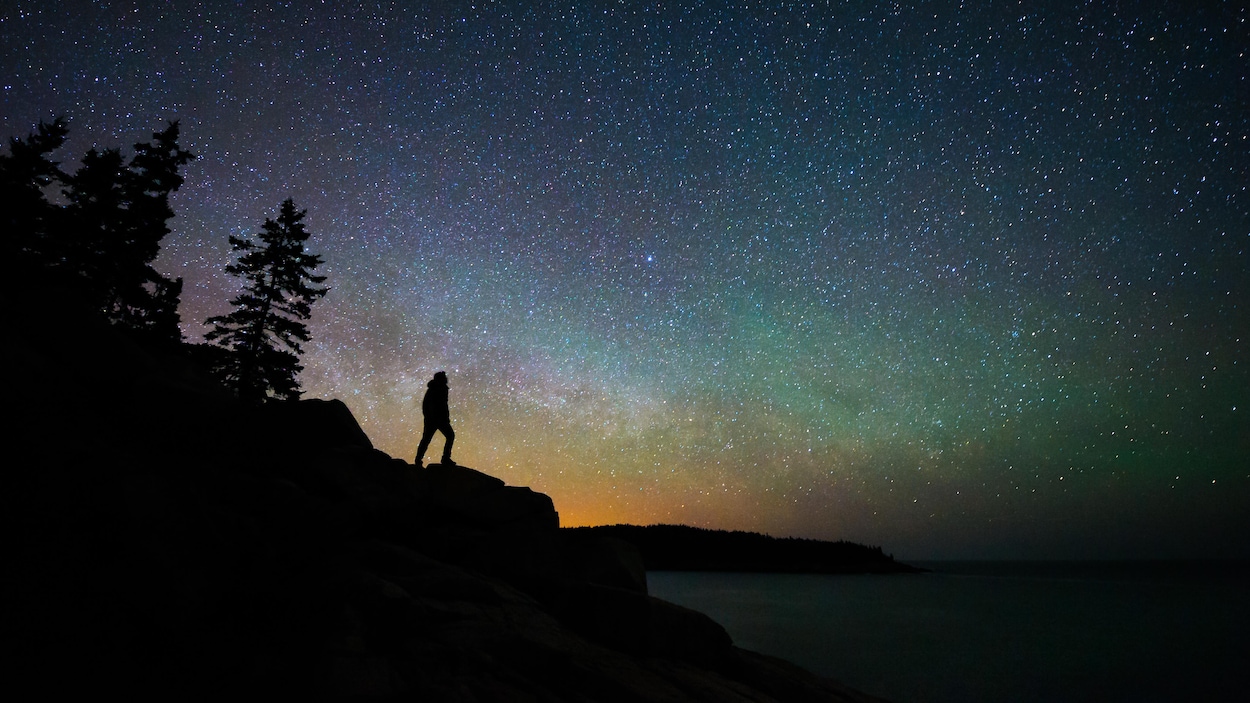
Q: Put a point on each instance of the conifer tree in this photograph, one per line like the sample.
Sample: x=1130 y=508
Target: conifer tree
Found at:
x=101 y=243
x=116 y=217
x=152 y=304
x=25 y=212
x=95 y=225
x=261 y=339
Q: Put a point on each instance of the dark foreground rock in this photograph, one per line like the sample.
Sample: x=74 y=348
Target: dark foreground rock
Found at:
x=161 y=539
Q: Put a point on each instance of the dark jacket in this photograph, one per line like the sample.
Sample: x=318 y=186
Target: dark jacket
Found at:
x=434 y=406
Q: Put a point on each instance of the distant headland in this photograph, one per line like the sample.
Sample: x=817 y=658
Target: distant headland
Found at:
x=684 y=548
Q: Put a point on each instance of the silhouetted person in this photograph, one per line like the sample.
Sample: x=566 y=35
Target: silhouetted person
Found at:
x=437 y=417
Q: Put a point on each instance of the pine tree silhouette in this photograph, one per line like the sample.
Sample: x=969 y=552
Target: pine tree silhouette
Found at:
x=147 y=300
x=27 y=216
x=98 y=246
x=95 y=225
x=115 y=218
x=261 y=338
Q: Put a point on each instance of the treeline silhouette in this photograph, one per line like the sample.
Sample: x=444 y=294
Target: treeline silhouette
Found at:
x=100 y=241
x=684 y=548
x=88 y=239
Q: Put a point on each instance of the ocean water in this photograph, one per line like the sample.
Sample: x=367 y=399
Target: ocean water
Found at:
x=997 y=631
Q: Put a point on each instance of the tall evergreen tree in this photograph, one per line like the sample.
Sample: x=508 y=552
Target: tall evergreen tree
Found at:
x=95 y=225
x=261 y=339
x=152 y=305
x=116 y=217
x=27 y=216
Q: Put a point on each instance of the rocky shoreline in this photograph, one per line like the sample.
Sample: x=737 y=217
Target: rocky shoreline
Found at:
x=164 y=539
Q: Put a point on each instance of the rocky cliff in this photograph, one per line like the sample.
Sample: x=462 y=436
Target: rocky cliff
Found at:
x=161 y=538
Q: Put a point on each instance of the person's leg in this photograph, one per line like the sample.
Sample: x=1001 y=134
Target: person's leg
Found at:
x=426 y=435
x=451 y=438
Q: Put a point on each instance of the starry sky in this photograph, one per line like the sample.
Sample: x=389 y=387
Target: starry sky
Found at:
x=960 y=279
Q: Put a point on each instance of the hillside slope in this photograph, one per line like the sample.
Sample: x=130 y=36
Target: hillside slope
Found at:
x=162 y=538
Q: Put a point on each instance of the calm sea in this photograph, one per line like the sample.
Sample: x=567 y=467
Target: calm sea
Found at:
x=997 y=631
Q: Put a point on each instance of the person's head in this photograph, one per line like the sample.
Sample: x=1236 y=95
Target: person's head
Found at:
x=440 y=378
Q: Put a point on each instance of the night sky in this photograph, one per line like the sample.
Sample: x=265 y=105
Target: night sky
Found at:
x=957 y=279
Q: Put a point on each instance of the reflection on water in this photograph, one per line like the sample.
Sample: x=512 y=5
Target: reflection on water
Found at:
x=996 y=631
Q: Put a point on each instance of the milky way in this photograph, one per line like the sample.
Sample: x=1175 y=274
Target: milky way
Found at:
x=961 y=279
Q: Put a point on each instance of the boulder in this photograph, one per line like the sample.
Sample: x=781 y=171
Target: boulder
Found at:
x=314 y=424
x=483 y=500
